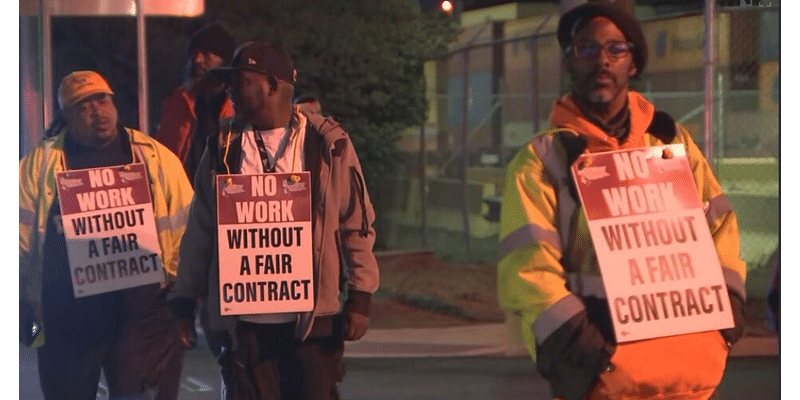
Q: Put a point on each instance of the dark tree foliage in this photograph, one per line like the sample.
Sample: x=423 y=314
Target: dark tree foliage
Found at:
x=108 y=45
x=363 y=59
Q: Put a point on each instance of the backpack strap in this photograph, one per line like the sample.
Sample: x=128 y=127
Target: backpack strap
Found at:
x=558 y=149
x=663 y=127
x=574 y=145
x=225 y=147
x=322 y=125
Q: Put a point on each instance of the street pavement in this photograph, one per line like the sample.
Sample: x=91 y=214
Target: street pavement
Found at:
x=465 y=363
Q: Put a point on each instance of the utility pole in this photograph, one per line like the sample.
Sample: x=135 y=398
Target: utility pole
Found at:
x=141 y=45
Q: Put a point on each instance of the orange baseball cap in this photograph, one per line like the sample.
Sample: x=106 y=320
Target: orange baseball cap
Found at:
x=80 y=85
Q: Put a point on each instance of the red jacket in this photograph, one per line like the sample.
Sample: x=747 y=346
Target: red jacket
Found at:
x=178 y=125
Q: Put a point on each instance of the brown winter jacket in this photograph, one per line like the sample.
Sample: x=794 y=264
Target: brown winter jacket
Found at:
x=345 y=268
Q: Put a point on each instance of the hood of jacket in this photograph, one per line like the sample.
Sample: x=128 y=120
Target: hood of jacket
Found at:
x=568 y=115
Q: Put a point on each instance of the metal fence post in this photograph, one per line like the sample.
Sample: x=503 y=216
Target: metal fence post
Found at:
x=465 y=153
x=423 y=184
x=709 y=78
x=534 y=83
x=720 y=120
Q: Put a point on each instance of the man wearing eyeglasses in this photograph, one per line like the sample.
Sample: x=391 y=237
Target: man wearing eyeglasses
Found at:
x=549 y=275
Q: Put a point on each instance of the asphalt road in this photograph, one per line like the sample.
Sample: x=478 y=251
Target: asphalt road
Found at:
x=435 y=378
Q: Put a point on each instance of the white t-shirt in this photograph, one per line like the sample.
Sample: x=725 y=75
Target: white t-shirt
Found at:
x=290 y=161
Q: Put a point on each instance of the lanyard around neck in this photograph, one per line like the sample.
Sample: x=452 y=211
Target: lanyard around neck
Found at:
x=268 y=161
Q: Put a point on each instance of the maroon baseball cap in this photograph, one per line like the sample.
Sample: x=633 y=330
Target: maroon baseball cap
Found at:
x=259 y=56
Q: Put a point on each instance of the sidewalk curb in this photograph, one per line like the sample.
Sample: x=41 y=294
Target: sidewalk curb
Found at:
x=479 y=352
x=486 y=340
x=749 y=346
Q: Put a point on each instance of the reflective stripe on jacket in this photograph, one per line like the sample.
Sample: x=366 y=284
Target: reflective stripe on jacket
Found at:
x=170 y=190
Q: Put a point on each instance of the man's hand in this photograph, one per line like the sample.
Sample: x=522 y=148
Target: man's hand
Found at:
x=357 y=325
x=573 y=357
x=188 y=333
x=732 y=335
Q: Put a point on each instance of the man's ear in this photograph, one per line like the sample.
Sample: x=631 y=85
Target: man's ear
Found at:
x=633 y=70
x=272 y=85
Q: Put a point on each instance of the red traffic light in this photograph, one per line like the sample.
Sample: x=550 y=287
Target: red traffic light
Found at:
x=446 y=6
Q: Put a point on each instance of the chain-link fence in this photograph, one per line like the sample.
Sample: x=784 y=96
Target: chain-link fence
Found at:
x=510 y=74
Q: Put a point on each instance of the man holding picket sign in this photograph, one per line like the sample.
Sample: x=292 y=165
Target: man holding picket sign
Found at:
x=619 y=249
x=102 y=209
x=279 y=238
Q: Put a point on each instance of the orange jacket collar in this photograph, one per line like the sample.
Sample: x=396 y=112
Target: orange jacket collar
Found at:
x=566 y=114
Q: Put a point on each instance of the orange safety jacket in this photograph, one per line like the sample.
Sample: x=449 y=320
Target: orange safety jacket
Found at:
x=549 y=275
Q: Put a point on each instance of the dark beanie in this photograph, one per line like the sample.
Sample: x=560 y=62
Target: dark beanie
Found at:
x=628 y=24
x=215 y=39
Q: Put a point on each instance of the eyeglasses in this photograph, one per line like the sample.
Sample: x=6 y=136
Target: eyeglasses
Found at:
x=588 y=49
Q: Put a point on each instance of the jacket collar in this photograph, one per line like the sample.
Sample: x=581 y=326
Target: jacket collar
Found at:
x=135 y=138
x=566 y=114
x=329 y=129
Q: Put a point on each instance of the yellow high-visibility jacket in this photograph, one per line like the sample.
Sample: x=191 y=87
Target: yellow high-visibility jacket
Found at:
x=548 y=272
x=169 y=187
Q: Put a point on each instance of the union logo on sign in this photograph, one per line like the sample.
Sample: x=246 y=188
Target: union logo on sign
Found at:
x=129 y=176
x=232 y=188
x=69 y=183
x=592 y=173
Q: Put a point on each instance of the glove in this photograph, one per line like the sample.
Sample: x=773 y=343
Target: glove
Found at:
x=356 y=312
x=357 y=325
x=188 y=333
x=573 y=357
x=732 y=335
